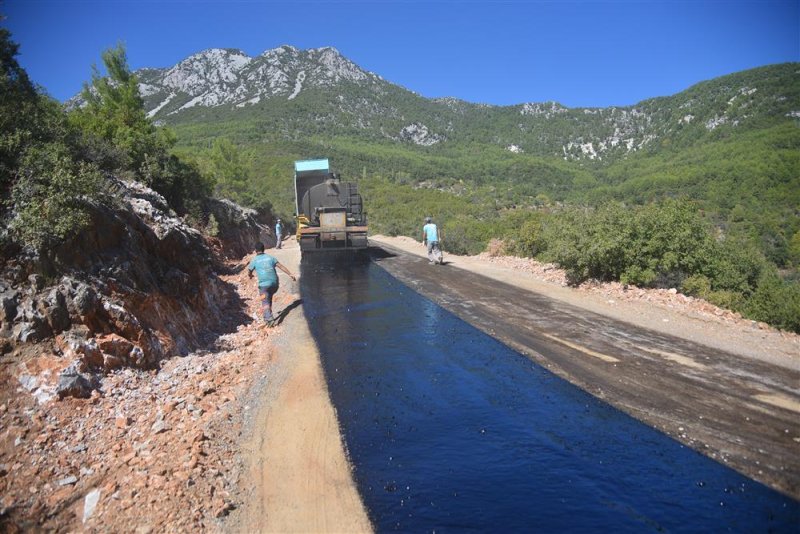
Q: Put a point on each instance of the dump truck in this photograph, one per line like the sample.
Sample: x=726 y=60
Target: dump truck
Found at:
x=330 y=213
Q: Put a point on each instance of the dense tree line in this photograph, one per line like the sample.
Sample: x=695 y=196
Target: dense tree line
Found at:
x=55 y=163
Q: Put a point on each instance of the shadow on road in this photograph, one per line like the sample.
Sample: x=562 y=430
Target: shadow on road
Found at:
x=379 y=253
x=284 y=312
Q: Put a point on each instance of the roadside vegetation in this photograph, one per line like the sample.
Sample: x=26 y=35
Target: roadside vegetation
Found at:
x=668 y=243
x=55 y=163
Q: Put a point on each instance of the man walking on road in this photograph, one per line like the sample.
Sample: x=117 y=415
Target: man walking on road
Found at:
x=264 y=265
x=278 y=233
x=430 y=237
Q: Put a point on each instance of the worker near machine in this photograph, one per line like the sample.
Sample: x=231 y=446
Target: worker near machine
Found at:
x=430 y=237
x=278 y=233
x=264 y=265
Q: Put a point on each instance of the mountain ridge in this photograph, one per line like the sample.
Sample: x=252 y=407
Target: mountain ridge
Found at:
x=220 y=76
x=303 y=92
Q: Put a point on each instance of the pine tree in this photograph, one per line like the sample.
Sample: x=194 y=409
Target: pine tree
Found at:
x=228 y=169
x=114 y=112
x=18 y=105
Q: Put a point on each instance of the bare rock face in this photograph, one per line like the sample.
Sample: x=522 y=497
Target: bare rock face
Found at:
x=135 y=287
x=8 y=307
x=238 y=229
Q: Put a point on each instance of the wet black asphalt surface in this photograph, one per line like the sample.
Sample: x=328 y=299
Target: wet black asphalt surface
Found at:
x=720 y=404
x=449 y=429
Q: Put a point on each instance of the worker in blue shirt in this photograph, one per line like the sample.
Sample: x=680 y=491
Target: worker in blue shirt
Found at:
x=264 y=265
x=430 y=237
x=278 y=233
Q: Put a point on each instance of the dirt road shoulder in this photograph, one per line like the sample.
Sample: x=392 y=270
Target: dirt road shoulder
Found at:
x=300 y=478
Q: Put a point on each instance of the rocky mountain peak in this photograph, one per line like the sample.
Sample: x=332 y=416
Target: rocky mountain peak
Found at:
x=210 y=67
x=337 y=67
x=283 y=49
x=224 y=76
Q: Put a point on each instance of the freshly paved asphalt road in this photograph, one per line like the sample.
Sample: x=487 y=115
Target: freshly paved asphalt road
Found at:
x=740 y=411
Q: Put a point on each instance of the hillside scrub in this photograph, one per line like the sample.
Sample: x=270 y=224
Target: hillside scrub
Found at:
x=113 y=118
x=54 y=164
x=44 y=183
x=666 y=244
x=51 y=195
x=749 y=183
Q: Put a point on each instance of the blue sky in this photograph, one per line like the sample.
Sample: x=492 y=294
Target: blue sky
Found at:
x=579 y=52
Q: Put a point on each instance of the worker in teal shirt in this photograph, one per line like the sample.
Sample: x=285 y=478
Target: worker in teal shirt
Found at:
x=278 y=233
x=264 y=265
x=430 y=238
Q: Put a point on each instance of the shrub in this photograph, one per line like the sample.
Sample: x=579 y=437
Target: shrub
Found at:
x=697 y=285
x=212 y=228
x=730 y=300
x=590 y=243
x=495 y=247
x=458 y=241
x=659 y=245
x=638 y=276
x=776 y=302
x=19 y=105
x=734 y=265
x=466 y=236
x=528 y=240
x=794 y=250
x=51 y=194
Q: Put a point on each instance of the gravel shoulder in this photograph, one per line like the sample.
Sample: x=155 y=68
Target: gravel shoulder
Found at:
x=238 y=437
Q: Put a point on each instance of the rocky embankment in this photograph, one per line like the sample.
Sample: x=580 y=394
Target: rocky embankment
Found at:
x=150 y=450
x=137 y=286
x=97 y=319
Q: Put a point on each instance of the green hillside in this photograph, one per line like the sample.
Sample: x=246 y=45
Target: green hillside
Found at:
x=728 y=143
x=746 y=177
x=724 y=153
x=748 y=184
